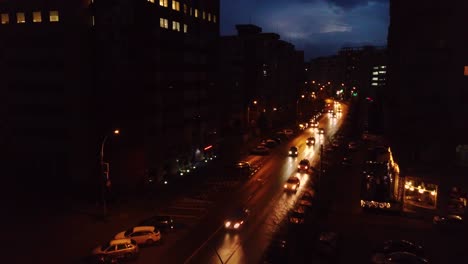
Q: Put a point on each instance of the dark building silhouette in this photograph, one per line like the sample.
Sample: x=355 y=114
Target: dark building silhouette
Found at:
x=428 y=95
x=258 y=66
x=75 y=70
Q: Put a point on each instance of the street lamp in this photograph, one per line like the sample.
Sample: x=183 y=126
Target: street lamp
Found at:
x=105 y=170
x=248 y=112
x=297 y=105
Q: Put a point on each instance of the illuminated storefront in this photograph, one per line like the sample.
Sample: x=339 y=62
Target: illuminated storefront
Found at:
x=420 y=193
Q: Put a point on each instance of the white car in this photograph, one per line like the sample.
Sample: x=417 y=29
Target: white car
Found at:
x=143 y=235
x=116 y=249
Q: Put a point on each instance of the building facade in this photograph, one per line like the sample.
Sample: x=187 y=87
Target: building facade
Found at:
x=427 y=97
x=77 y=70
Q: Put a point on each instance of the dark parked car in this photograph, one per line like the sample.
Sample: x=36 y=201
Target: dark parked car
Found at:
x=260 y=150
x=391 y=246
x=448 y=222
x=161 y=222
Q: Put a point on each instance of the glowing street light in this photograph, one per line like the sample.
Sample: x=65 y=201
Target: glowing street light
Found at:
x=105 y=170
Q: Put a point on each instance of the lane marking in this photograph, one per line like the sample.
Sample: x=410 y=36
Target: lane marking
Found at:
x=202 y=245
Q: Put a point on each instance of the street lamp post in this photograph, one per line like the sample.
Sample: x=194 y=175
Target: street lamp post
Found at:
x=297 y=107
x=248 y=114
x=106 y=181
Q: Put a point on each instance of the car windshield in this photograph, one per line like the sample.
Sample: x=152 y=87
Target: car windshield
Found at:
x=128 y=232
x=293 y=180
x=105 y=246
x=238 y=214
x=304 y=162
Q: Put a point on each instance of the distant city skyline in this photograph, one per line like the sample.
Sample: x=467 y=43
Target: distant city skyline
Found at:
x=319 y=27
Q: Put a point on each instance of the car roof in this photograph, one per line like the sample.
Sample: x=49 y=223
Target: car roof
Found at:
x=293 y=178
x=120 y=241
x=143 y=228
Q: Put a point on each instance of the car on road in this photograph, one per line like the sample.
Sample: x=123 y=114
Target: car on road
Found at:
x=260 y=150
x=292 y=184
x=288 y=132
x=310 y=141
x=303 y=166
x=398 y=257
x=161 y=222
x=390 y=246
x=116 y=249
x=293 y=152
x=448 y=222
x=237 y=219
x=143 y=235
x=298 y=214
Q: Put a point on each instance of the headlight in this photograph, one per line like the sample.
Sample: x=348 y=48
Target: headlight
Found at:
x=227 y=224
x=290 y=152
x=306 y=167
x=298 y=166
x=236 y=225
x=285 y=186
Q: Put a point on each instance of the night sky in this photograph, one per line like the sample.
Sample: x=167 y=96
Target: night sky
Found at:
x=319 y=27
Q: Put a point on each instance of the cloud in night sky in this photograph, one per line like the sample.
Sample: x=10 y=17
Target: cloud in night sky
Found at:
x=318 y=27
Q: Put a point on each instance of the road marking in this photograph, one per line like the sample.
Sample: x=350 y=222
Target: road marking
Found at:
x=202 y=245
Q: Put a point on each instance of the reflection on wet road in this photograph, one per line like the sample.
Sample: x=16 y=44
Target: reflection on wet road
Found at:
x=265 y=197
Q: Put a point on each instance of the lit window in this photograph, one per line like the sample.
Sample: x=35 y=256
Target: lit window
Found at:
x=185 y=28
x=175 y=26
x=382 y=71
x=5 y=19
x=209 y=16
x=20 y=18
x=164 y=23
x=163 y=3
x=375 y=73
x=93 y=22
x=152 y=1
x=375 y=78
x=214 y=18
x=196 y=12
x=203 y=15
x=53 y=16
x=465 y=72
x=376 y=67
x=375 y=84
x=37 y=17
x=185 y=8
x=175 y=5
x=383 y=67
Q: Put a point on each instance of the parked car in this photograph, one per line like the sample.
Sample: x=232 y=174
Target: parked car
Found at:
x=116 y=249
x=277 y=251
x=293 y=152
x=448 y=222
x=327 y=244
x=161 y=222
x=260 y=150
x=310 y=141
x=303 y=166
x=398 y=257
x=143 y=235
x=237 y=219
x=297 y=215
x=292 y=184
x=390 y=246
x=269 y=143
x=242 y=169
x=352 y=145
x=288 y=132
